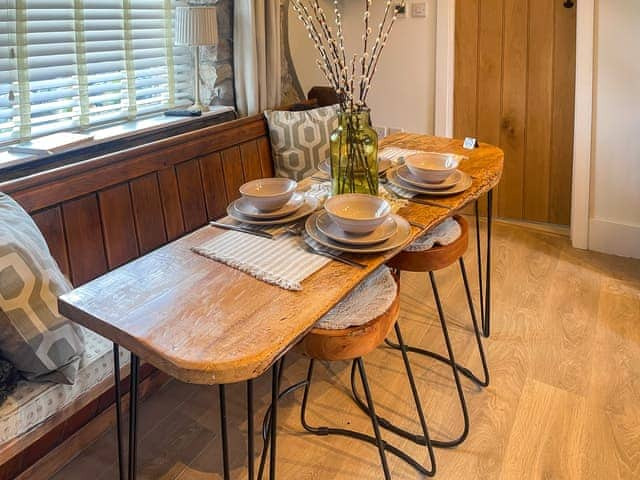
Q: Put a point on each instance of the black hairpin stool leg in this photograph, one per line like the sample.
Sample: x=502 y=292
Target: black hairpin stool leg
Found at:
x=118 y=394
x=375 y=440
x=374 y=418
x=454 y=368
x=476 y=331
x=133 y=416
x=450 y=360
x=416 y=398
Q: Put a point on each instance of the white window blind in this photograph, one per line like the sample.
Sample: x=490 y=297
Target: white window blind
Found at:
x=77 y=63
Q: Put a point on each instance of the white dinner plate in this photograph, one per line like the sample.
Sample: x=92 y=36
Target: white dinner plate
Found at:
x=331 y=229
x=464 y=183
x=309 y=206
x=245 y=207
x=405 y=175
x=398 y=239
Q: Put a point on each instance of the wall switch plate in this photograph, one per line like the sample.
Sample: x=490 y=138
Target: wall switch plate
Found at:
x=418 y=9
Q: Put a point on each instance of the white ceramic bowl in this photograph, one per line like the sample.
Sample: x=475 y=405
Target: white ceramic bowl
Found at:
x=268 y=194
x=357 y=213
x=431 y=167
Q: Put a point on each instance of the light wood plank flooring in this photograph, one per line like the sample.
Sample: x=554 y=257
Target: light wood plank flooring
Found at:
x=564 y=400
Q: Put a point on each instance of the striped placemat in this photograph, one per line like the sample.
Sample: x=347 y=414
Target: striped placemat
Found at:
x=283 y=262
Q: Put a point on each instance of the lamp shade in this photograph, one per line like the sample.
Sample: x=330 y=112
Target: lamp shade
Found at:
x=196 y=26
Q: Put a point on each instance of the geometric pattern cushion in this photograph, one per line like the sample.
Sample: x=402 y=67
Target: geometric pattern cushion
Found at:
x=300 y=140
x=32 y=403
x=41 y=343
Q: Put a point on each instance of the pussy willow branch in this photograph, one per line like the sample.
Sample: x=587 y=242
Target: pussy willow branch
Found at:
x=365 y=47
x=307 y=20
x=383 y=43
x=338 y=20
x=330 y=41
x=333 y=60
x=376 y=46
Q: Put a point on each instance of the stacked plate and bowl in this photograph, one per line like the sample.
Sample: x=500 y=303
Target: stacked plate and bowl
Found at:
x=271 y=201
x=431 y=173
x=358 y=223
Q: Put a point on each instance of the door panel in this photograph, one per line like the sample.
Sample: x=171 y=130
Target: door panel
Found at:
x=514 y=87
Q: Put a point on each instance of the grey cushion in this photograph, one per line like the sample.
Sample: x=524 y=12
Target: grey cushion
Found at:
x=41 y=343
x=300 y=140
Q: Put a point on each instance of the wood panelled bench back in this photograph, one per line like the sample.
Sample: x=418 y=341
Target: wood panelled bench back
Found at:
x=99 y=214
x=102 y=213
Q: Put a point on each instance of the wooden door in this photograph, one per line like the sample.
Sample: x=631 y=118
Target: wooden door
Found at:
x=514 y=87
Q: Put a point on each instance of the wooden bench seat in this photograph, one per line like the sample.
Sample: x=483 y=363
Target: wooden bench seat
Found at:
x=101 y=213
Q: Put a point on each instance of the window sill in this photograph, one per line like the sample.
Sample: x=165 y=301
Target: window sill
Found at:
x=108 y=139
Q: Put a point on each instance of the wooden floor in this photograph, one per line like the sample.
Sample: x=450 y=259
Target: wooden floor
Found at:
x=564 y=400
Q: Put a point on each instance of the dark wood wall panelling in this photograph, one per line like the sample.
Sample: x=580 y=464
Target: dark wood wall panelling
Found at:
x=99 y=214
x=159 y=195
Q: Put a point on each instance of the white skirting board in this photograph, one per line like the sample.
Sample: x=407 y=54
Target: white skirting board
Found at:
x=615 y=238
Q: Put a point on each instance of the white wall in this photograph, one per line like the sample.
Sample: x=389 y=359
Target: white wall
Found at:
x=614 y=225
x=402 y=95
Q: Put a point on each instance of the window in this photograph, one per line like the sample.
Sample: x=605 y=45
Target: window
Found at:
x=77 y=63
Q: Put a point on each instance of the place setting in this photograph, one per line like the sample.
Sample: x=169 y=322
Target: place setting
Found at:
x=278 y=235
x=270 y=202
x=357 y=223
x=428 y=173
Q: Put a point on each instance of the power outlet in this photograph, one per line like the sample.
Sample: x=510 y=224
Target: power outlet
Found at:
x=418 y=9
x=386 y=131
x=381 y=131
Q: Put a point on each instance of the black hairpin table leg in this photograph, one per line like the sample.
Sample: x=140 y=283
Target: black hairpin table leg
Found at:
x=479 y=257
x=250 y=430
x=118 y=395
x=133 y=415
x=275 y=390
x=225 y=436
x=486 y=325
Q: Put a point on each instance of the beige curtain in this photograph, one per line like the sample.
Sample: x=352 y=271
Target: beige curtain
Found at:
x=257 y=55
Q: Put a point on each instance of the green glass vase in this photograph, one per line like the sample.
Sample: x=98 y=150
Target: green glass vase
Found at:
x=354 y=154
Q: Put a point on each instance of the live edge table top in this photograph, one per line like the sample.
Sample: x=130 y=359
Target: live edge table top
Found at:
x=203 y=322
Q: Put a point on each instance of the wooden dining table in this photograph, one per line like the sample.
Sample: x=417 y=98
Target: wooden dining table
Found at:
x=203 y=322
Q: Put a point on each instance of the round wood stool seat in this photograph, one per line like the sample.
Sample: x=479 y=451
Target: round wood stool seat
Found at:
x=352 y=342
x=435 y=258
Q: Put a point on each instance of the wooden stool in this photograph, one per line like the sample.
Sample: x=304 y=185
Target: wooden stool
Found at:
x=436 y=258
x=352 y=343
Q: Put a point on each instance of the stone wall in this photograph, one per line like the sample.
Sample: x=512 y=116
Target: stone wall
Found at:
x=216 y=62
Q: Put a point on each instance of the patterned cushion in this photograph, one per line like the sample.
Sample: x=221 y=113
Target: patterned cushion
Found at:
x=444 y=234
x=300 y=140
x=367 y=301
x=33 y=403
x=42 y=344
